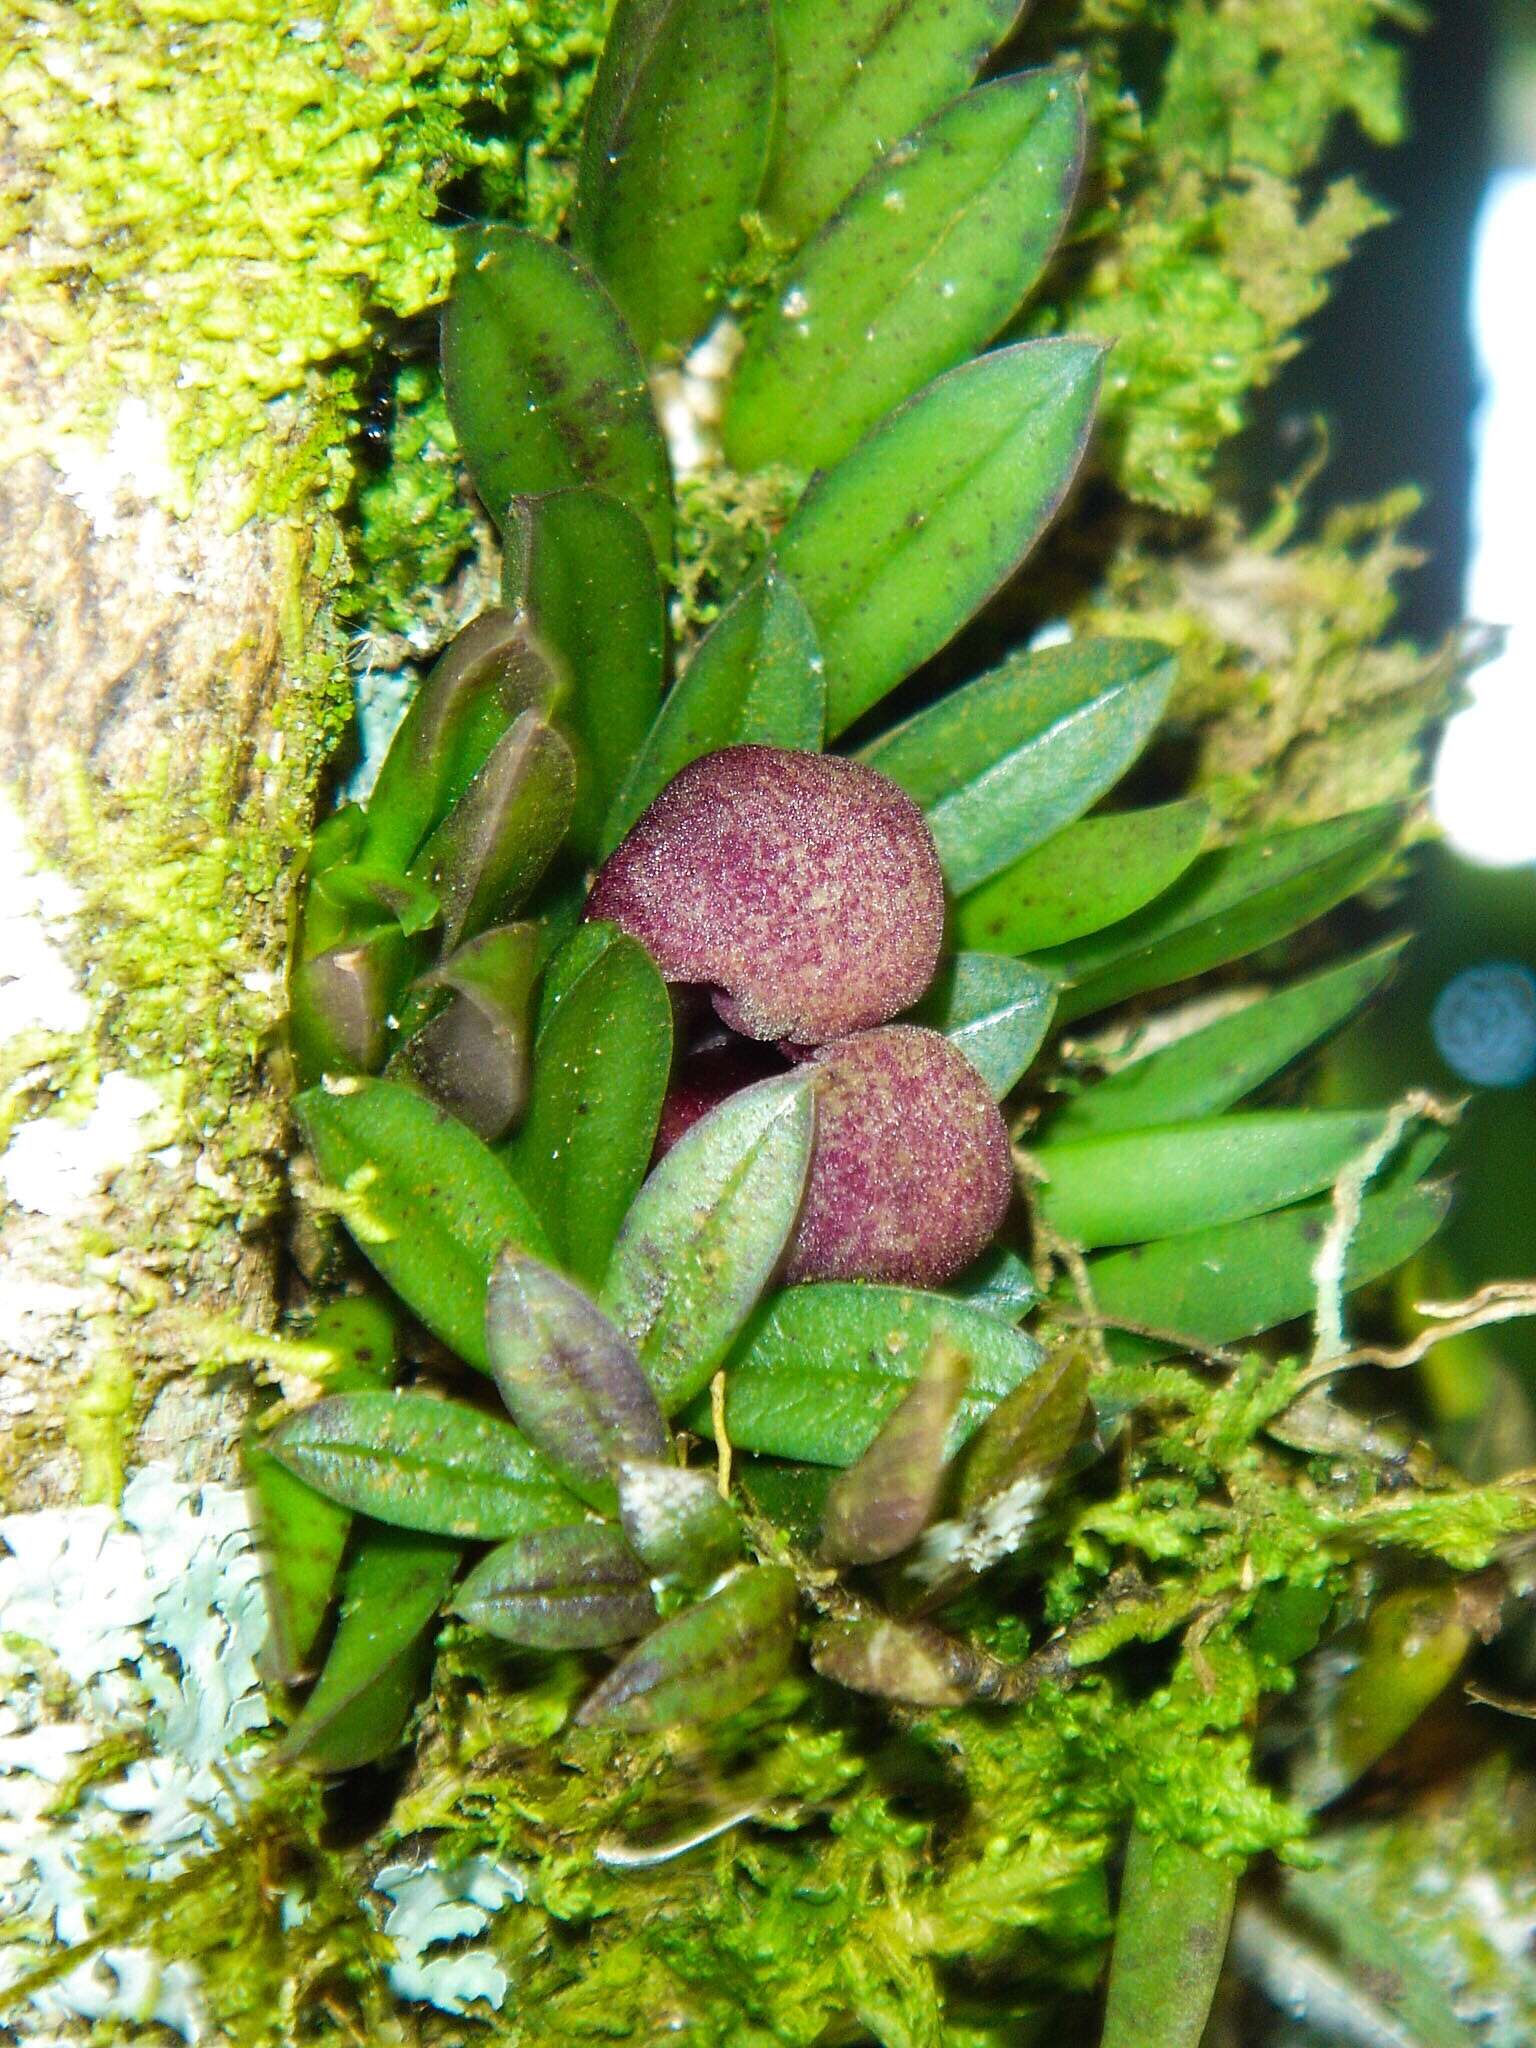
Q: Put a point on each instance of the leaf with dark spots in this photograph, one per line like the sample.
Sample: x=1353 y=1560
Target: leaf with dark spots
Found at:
x=1170 y=1941
x=419 y=1463
x=428 y=1204
x=677 y=1522
x=880 y=1505
x=570 y=1381
x=494 y=844
x=578 y=1588
x=856 y=77
x=706 y=1663
x=672 y=154
x=544 y=385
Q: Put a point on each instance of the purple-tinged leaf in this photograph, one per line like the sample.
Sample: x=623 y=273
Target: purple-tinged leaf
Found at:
x=906 y=1661
x=471 y=1055
x=570 y=1381
x=578 y=1588
x=880 y=1505
x=706 y=1663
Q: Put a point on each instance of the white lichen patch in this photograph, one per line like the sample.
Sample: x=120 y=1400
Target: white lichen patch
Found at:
x=134 y=469
x=690 y=400
x=54 y=1164
x=38 y=989
x=152 y=1620
x=979 y=1540
x=432 y=1914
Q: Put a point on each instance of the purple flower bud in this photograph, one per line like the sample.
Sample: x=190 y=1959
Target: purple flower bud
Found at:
x=803 y=888
x=911 y=1173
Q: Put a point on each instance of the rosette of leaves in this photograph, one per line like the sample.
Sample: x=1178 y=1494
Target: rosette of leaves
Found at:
x=691 y=1461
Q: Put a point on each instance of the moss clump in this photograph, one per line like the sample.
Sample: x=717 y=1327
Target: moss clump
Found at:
x=1210 y=241
x=220 y=197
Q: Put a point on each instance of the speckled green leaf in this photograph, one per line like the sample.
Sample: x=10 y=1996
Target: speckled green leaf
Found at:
x=1229 y=903
x=570 y=1381
x=853 y=78
x=494 y=844
x=301 y=1534
x=677 y=1522
x=756 y=676
x=672 y=155
x=879 y=1506
x=419 y=1463
x=707 y=1230
x=1002 y=764
x=378 y=1662
x=471 y=1055
x=707 y=1662
x=1091 y=874
x=918 y=271
x=894 y=549
x=580 y=568
x=485 y=677
x=1239 y=1278
x=1210 y=1069
x=820 y=1368
x=545 y=386
x=1170 y=1941
x=429 y=1204
x=601 y=1058
x=1130 y=1185
x=560 y=1589
x=996 y=1011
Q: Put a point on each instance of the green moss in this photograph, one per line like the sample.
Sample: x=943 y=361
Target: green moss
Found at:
x=1205 y=242
x=222 y=197
x=414 y=523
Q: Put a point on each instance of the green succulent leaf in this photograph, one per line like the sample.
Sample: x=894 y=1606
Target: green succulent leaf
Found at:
x=601 y=1059
x=996 y=1011
x=706 y=1663
x=579 y=567
x=1002 y=764
x=821 y=1367
x=756 y=677
x=854 y=77
x=919 y=270
x=1170 y=1941
x=545 y=387
x=429 y=1204
x=1215 y=1286
x=894 y=549
x=504 y=831
x=302 y=1535
x=340 y=1003
x=419 y=1463
x=365 y=891
x=880 y=1505
x=471 y=1055
x=672 y=155
x=1094 y=873
x=570 y=1382
x=481 y=683
x=1208 y=1070
x=578 y=1588
x=707 y=1231
x=378 y=1662
x=677 y=1522
x=1127 y=1186
x=1229 y=903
